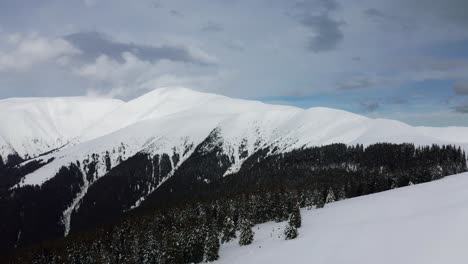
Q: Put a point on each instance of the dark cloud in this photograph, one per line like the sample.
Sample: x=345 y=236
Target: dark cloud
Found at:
x=327 y=30
x=211 y=26
x=461 y=88
x=369 y=106
x=93 y=44
x=316 y=15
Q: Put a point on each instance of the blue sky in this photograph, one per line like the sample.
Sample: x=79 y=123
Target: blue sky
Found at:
x=401 y=59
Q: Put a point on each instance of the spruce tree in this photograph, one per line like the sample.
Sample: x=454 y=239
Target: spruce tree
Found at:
x=330 y=196
x=246 y=233
x=290 y=232
x=293 y=224
x=211 y=245
x=318 y=199
x=194 y=243
x=228 y=232
x=295 y=218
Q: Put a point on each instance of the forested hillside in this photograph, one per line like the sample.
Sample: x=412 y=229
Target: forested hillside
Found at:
x=198 y=208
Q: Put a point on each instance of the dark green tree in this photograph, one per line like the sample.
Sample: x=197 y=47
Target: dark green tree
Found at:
x=290 y=232
x=246 y=234
x=295 y=219
x=211 y=245
x=228 y=231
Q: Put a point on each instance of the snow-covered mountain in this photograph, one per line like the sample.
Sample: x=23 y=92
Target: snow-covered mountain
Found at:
x=86 y=153
x=32 y=126
x=174 y=120
x=423 y=223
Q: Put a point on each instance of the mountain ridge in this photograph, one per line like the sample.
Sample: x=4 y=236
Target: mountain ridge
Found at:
x=159 y=103
x=158 y=119
x=173 y=141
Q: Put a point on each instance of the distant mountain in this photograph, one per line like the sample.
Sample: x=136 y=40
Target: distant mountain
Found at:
x=68 y=163
x=33 y=126
x=175 y=120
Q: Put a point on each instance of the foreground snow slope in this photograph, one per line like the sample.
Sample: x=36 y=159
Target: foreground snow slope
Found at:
x=426 y=223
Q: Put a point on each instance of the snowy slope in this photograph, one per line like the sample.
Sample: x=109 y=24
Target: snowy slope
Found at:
x=32 y=126
x=170 y=120
x=425 y=223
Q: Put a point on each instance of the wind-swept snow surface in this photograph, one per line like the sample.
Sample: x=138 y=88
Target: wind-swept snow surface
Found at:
x=425 y=223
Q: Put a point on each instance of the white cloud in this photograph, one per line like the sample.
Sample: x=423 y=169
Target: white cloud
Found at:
x=134 y=76
x=24 y=51
x=200 y=55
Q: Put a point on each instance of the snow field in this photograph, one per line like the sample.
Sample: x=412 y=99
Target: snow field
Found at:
x=425 y=223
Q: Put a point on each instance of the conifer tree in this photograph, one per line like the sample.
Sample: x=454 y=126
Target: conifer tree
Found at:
x=291 y=231
x=246 y=233
x=330 y=196
x=194 y=244
x=341 y=195
x=228 y=232
x=170 y=252
x=294 y=223
x=211 y=245
x=318 y=199
x=295 y=218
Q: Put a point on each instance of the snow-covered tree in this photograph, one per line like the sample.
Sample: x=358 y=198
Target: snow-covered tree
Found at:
x=228 y=231
x=330 y=196
x=318 y=199
x=246 y=234
x=295 y=218
x=290 y=232
x=211 y=245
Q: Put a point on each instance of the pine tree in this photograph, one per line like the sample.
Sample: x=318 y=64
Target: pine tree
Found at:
x=318 y=199
x=228 y=230
x=293 y=224
x=170 y=252
x=295 y=218
x=330 y=196
x=194 y=243
x=290 y=232
x=211 y=245
x=150 y=249
x=246 y=233
x=341 y=194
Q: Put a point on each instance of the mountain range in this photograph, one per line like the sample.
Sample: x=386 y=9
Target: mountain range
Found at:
x=68 y=163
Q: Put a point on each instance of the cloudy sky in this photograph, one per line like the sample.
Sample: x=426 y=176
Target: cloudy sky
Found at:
x=401 y=59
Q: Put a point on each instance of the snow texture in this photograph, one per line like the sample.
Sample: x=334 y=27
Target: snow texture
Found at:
x=423 y=223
